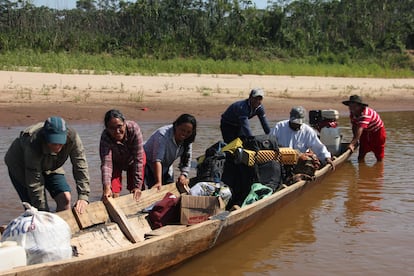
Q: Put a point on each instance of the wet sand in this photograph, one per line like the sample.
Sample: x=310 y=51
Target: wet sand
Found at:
x=26 y=97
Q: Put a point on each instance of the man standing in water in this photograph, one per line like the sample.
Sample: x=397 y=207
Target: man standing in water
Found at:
x=367 y=128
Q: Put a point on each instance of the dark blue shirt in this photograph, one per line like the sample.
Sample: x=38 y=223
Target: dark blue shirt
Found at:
x=239 y=113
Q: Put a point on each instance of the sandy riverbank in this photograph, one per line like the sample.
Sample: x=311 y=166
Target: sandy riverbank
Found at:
x=26 y=98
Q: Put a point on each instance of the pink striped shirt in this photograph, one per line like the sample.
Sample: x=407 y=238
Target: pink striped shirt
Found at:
x=369 y=120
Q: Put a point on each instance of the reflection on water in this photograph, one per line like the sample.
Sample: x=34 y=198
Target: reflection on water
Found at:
x=364 y=194
x=357 y=221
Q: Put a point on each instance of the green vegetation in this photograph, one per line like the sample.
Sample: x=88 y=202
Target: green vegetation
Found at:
x=359 y=38
x=70 y=63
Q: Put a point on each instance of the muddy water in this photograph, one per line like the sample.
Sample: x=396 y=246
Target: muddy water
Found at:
x=358 y=221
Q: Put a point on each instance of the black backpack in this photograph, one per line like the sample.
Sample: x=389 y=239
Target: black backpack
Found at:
x=260 y=142
x=268 y=173
x=211 y=168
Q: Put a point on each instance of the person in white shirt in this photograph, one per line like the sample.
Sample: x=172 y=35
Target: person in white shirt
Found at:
x=294 y=133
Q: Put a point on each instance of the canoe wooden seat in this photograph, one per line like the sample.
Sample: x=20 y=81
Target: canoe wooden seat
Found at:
x=167 y=229
x=94 y=214
x=140 y=225
x=136 y=221
x=117 y=215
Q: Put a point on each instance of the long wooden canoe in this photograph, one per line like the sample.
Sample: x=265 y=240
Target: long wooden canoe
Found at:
x=116 y=239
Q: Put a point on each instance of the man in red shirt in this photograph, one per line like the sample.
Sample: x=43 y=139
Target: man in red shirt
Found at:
x=367 y=127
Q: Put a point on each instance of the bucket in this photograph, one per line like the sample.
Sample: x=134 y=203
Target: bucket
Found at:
x=331 y=137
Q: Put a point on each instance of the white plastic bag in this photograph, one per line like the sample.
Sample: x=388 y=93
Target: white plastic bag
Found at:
x=203 y=189
x=212 y=189
x=44 y=236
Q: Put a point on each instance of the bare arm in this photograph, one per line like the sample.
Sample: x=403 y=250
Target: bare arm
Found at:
x=157 y=175
x=357 y=135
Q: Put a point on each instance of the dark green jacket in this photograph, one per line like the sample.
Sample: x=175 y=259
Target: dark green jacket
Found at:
x=29 y=156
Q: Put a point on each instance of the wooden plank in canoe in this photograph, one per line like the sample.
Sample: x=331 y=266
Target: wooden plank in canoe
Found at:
x=118 y=216
x=140 y=225
x=99 y=239
x=130 y=207
x=95 y=213
x=69 y=217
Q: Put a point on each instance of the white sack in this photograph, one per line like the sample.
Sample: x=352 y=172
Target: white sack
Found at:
x=44 y=236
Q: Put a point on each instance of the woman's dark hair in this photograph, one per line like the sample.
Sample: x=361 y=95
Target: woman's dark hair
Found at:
x=183 y=119
x=113 y=113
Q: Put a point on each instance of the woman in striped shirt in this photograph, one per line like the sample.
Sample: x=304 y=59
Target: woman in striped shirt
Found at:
x=367 y=127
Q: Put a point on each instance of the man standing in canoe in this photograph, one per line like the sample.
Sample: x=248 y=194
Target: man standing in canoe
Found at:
x=35 y=161
x=235 y=120
x=367 y=128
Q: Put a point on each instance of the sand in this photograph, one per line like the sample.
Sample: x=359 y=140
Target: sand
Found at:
x=27 y=97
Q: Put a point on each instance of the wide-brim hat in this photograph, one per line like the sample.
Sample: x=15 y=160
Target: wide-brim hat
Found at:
x=355 y=99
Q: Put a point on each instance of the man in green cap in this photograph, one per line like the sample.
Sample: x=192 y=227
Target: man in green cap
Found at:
x=35 y=161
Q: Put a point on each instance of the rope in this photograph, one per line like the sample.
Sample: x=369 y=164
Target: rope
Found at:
x=223 y=218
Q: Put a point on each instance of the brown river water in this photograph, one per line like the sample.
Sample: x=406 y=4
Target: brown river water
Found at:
x=358 y=221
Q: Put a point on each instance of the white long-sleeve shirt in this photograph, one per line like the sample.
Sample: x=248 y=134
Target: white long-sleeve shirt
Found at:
x=304 y=138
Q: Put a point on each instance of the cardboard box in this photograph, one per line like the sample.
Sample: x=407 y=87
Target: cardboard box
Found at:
x=196 y=209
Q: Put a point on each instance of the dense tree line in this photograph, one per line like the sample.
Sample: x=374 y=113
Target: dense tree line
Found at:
x=217 y=29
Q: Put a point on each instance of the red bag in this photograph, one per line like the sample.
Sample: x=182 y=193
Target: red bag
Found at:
x=166 y=211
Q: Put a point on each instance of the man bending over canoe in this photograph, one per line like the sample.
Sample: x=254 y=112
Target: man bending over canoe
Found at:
x=35 y=161
x=367 y=127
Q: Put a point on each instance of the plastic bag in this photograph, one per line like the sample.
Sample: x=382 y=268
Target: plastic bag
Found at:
x=257 y=192
x=44 y=236
x=212 y=189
